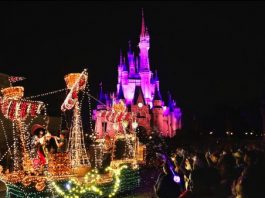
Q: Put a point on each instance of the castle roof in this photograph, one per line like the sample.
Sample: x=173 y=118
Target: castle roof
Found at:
x=138 y=95
x=121 y=94
x=102 y=97
x=157 y=95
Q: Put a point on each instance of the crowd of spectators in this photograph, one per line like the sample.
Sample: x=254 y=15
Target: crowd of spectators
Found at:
x=212 y=171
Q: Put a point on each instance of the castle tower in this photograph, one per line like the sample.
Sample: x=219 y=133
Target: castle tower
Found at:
x=144 y=46
x=144 y=69
x=157 y=111
x=124 y=74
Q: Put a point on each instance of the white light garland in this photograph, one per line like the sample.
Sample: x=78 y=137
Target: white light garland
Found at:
x=90 y=108
x=8 y=147
x=46 y=94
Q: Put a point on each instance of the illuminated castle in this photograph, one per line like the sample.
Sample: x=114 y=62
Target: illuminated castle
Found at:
x=139 y=88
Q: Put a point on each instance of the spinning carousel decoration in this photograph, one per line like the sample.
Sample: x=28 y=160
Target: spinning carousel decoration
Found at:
x=76 y=82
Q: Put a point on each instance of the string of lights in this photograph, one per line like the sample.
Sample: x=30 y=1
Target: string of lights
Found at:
x=89 y=108
x=124 y=178
x=89 y=95
x=47 y=93
x=3 y=156
x=6 y=139
x=16 y=149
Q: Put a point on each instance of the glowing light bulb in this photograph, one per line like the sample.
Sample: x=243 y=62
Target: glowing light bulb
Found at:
x=134 y=125
x=140 y=105
x=115 y=126
x=68 y=186
x=125 y=124
x=176 y=179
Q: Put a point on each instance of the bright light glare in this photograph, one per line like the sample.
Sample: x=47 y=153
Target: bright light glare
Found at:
x=176 y=179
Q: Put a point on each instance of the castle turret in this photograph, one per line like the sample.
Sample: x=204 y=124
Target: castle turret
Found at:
x=157 y=110
x=156 y=80
x=108 y=101
x=144 y=46
x=124 y=74
x=144 y=68
x=102 y=104
x=120 y=67
x=121 y=94
x=137 y=64
x=131 y=61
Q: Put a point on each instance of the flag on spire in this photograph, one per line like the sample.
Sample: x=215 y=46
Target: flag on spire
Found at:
x=13 y=79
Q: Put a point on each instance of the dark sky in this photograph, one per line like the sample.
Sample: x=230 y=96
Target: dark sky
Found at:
x=209 y=55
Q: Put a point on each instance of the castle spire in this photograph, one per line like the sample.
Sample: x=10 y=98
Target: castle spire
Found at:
x=156 y=76
x=138 y=95
x=130 y=47
x=144 y=46
x=124 y=64
x=121 y=94
x=170 y=102
x=101 y=94
x=131 y=60
x=136 y=64
x=157 y=95
x=143 y=25
x=121 y=57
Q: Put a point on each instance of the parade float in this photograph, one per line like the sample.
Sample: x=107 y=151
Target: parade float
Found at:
x=71 y=173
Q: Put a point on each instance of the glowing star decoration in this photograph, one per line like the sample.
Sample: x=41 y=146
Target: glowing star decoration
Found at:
x=75 y=82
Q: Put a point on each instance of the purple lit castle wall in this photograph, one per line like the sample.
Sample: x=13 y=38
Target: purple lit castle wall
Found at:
x=139 y=87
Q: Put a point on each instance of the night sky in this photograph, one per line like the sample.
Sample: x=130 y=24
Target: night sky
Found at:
x=210 y=56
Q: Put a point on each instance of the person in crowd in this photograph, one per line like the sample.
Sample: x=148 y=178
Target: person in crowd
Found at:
x=61 y=142
x=212 y=158
x=165 y=186
x=249 y=184
x=240 y=165
x=226 y=167
x=199 y=161
x=204 y=184
x=177 y=162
